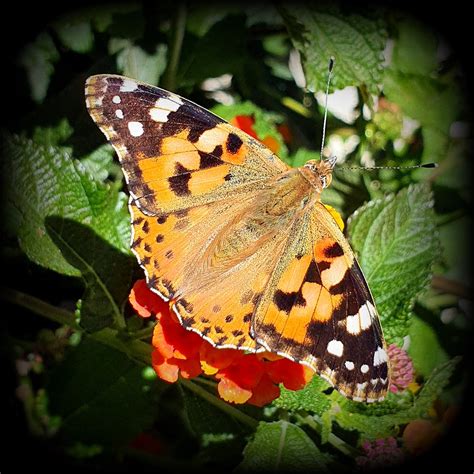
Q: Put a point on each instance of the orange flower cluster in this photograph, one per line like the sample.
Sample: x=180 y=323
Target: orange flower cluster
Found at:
x=243 y=377
x=246 y=123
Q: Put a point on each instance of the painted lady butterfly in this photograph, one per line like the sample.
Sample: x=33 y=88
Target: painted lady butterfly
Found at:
x=239 y=242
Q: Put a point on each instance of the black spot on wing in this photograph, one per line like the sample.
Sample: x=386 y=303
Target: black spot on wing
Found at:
x=284 y=301
x=179 y=184
x=210 y=160
x=233 y=143
x=312 y=274
x=335 y=250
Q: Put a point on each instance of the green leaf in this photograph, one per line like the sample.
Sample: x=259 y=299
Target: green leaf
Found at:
x=133 y=61
x=311 y=398
x=105 y=270
x=282 y=447
x=205 y=419
x=38 y=59
x=412 y=92
x=425 y=349
x=101 y=164
x=101 y=396
x=75 y=33
x=206 y=57
x=415 y=60
x=50 y=136
x=46 y=181
x=355 y=41
x=431 y=390
x=397 y=243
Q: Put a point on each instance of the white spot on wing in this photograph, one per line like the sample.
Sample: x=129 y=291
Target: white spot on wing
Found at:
x=364 y=368
x=163 y=107
x=159 y=115
x=135 y=128
x=349 y=365
x=119 y=113
x=362 y=320
x=167 y=104
x=335 y=348
x=361 y=386
x=380 y=356
x=365 y=313
x=352 y=324
x=128 y=86
x=116 y=99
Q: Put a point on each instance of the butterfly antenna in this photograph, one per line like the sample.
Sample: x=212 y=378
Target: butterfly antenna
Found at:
x=424 y=165
x=332 y=59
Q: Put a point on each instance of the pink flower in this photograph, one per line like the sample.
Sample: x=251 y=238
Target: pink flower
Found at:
x=380 y=453
x=402 y=373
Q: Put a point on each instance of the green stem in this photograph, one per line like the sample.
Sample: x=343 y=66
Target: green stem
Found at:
x=217 y=402
x=144 y=333
x=58 y=315
x=315 y=423
x=179 y=25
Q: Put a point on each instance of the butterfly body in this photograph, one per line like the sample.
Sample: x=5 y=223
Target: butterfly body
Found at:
x=237 y=241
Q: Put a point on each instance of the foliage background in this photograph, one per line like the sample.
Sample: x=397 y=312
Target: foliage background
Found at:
x=54 y=211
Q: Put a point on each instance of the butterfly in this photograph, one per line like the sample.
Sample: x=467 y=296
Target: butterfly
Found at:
x=239 y=242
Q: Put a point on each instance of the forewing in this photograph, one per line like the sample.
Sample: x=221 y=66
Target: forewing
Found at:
x=175 y=154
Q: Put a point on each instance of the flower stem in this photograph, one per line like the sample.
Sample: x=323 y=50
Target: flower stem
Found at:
x=218 y=403
x=179 y=24
x=315 y=423
x=453 y=287
x=144 y=333
x=49 y=311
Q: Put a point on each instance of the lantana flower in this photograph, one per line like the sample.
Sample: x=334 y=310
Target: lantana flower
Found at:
x=381 y=453
x=242 y=377
x=402 y=372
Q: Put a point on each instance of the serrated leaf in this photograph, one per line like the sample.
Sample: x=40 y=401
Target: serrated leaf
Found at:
x=45 y=181
x=433 y=387
x=106 y=271
x=282 y=447
x=75 y=33
x=133 y=61
x=100 y=163
x=425 y=349
x=311 y=398
x=355 y=41
x=38 y=59
x=101 y=396
x=397 y=243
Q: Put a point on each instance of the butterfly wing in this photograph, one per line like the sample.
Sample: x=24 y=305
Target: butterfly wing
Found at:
x=175 y=154
x=214 y=262
x=317 y=309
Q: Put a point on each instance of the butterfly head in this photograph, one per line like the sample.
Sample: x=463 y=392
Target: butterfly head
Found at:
x=321 y=172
